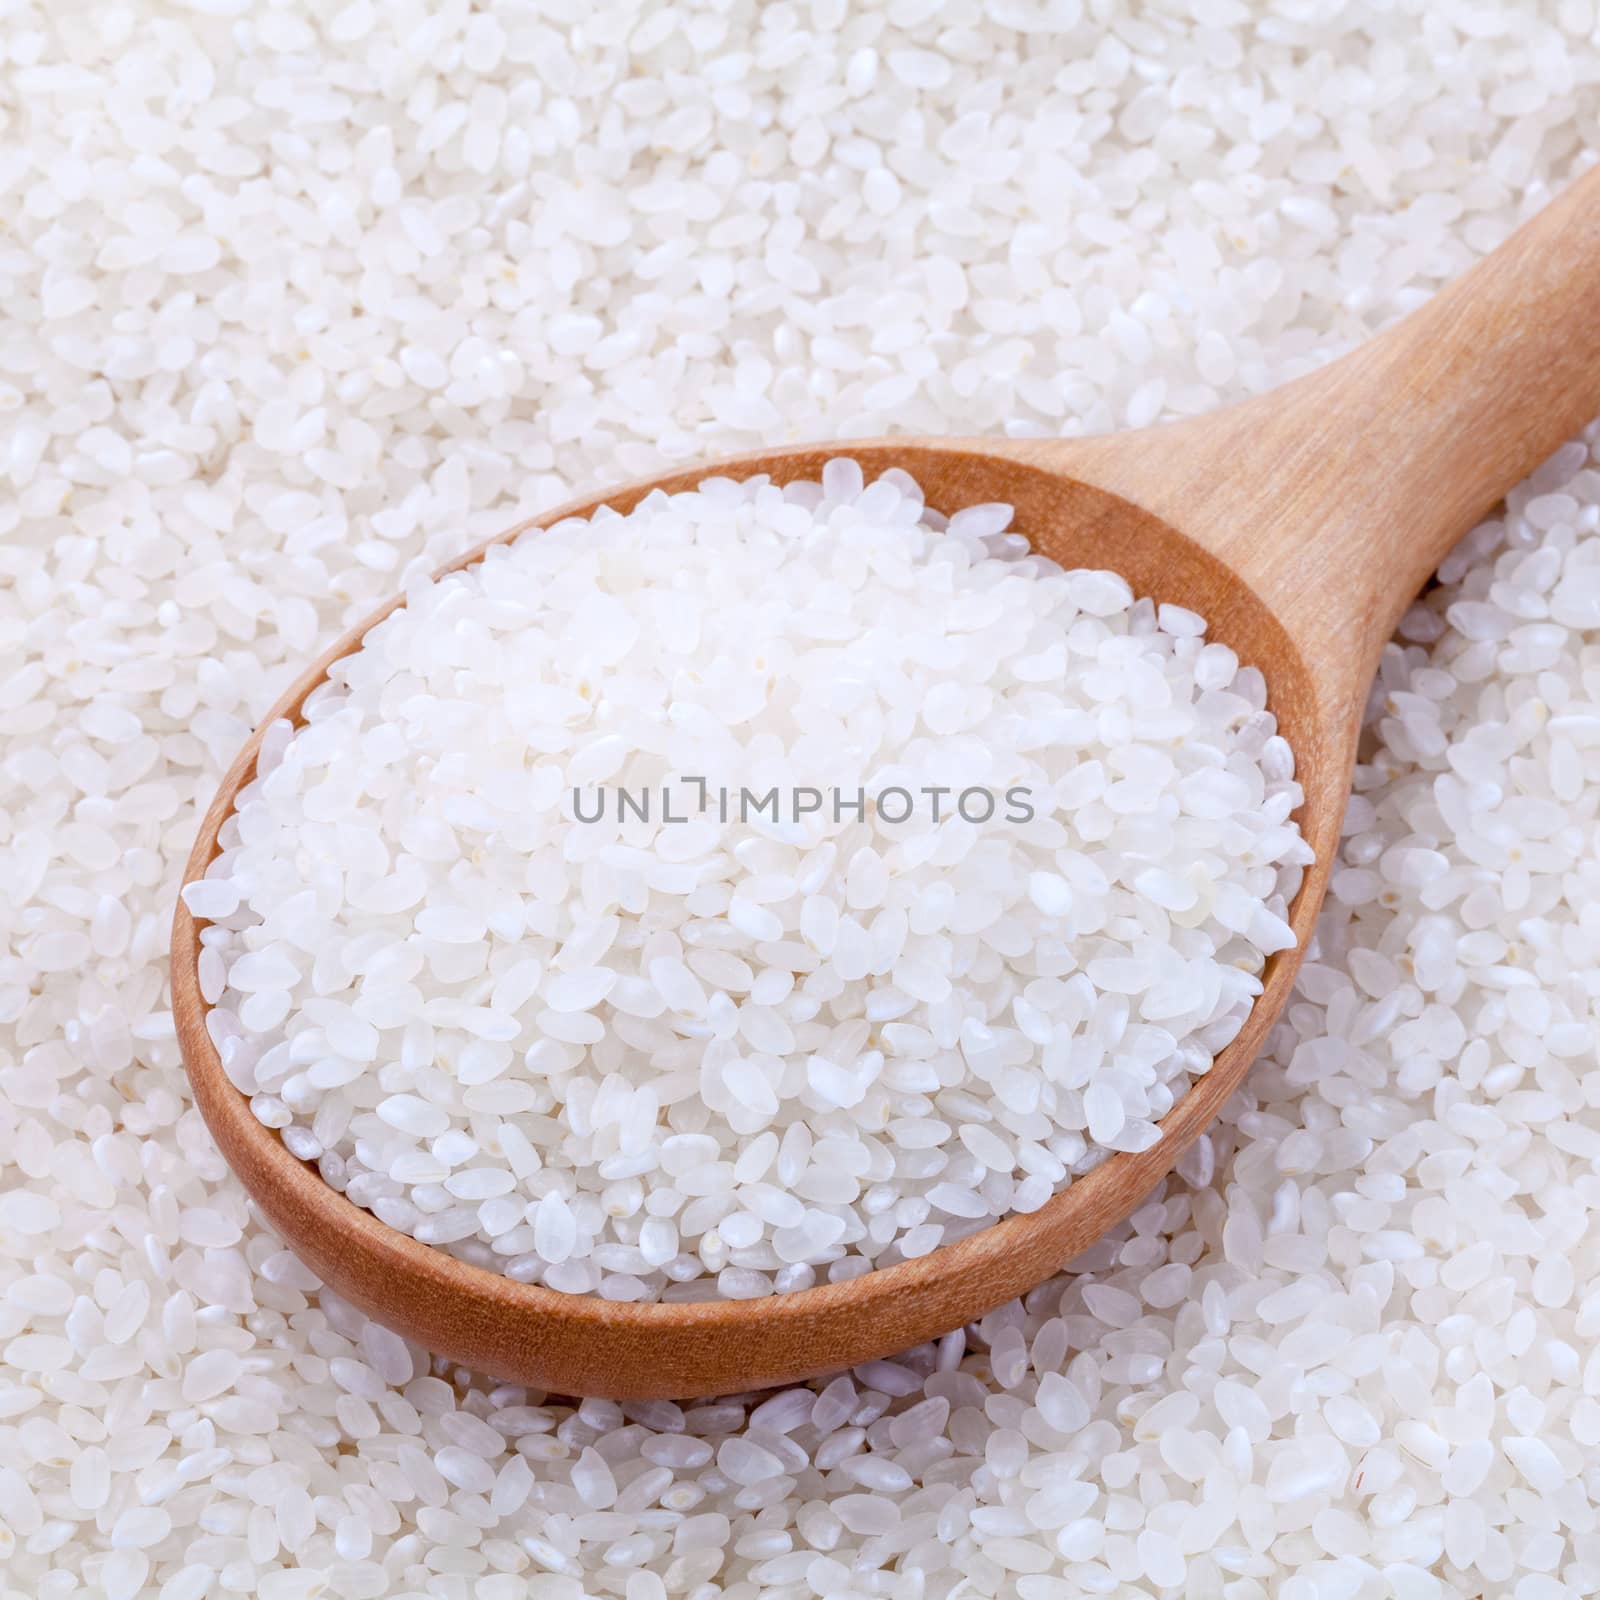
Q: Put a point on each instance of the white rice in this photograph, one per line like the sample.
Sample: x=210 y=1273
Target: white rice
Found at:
x=1350 y=1350
x=761 y=887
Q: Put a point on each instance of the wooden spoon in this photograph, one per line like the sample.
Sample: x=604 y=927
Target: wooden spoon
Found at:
x=1300 y=524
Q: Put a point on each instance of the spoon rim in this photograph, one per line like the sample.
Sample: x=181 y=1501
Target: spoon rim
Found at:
x=1008 y=1249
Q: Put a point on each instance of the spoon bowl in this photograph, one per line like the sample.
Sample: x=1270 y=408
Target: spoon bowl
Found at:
x=1299 y=525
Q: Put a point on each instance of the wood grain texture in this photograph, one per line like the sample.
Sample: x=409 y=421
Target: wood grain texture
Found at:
x=1299 y=524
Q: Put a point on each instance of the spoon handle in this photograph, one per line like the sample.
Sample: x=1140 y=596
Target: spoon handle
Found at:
x=1335 y=496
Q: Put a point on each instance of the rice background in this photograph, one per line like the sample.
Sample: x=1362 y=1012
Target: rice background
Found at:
x=299 y=300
